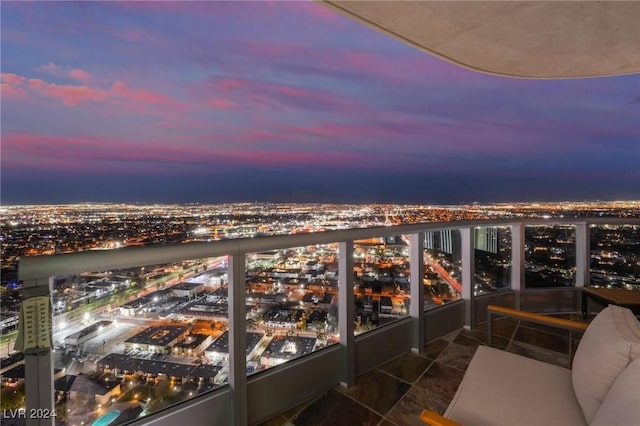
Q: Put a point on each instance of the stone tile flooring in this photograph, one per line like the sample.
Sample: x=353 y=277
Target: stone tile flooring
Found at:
x=395 y=393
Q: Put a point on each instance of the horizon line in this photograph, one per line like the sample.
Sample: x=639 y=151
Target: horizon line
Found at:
x=196 y=203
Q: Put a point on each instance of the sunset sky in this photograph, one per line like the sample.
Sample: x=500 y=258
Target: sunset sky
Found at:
x=287 y=101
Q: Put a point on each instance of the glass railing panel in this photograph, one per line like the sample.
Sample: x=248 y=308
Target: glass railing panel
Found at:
x=442 y=267
x=131 y=342
x=550 y=256
x=492 y=259
x=10 y=301
x=615 y=256
x=292 y=304
x=381 y=281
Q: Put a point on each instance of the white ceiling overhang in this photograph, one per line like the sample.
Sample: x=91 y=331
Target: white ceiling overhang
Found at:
x=530 y=39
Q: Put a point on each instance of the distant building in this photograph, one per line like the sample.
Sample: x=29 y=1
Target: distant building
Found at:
x=16 y=374
x=439 y=240
x=189 y=290
x=283 y=318
x=219 y=349
x=100 y=390
x=157 y=338
x=87 y=333
x=12 y=361
x=210 y=278
x=122 y=366
x=192 y=345
x=8 y=322
x=486 y=239
x=283 y=349
x=386 y=305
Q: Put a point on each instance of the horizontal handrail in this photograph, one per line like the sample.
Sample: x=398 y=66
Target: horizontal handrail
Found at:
x=45 y=266
x=531 y=317
x=432 y=418
x=538 y=318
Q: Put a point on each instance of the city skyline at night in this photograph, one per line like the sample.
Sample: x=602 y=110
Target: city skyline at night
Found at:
x=216 y=102
x=303 y=212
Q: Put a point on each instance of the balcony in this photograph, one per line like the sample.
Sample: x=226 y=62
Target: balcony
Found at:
x=385 y=334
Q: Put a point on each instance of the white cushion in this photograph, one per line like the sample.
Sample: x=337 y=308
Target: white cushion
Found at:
x=502 y=388
x=621 y=406
x=609 y=344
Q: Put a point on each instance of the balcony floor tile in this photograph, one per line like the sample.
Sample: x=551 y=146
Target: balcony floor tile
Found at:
x=503 y=327
x=441 y=380
x=396 y=393
x=433 y=349
x=336 y=409
x=407 y=411
x=408 y=367
x=278 y=421
x=469 y=339
x=378 y=390
x=457 y=356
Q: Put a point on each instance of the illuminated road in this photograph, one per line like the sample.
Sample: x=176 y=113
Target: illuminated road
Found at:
x=444 y=274
x=439 y=269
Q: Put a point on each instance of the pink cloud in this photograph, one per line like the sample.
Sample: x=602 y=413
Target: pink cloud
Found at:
x=350 y=130
x=267 y=94
x=69 y=95
x=11 y=92
x=121 y=89
x=319 y=11
x=273 y=50
x=385 y=66
x=75 y=153
x=281 y=158
x=137 y=35
x=49 y=68
x=259 y=136
x=119 y=94
x=12 y=79
x=80 y=75
x=76 y=74
x=74 y=95
x=96 y=152
x=221 y=103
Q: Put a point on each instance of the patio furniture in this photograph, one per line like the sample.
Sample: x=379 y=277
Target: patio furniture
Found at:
x=601 y=389
x=616 y=296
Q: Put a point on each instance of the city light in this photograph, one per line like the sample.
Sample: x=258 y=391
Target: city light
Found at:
x=163 y=328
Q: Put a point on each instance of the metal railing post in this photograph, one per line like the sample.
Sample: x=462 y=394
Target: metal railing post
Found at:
x=468 y=273
x=583 y=254
x=346 y=315
x=39 y=365
x=517 y=262
x=416 y=306
x=238 y=338
x=489 y=328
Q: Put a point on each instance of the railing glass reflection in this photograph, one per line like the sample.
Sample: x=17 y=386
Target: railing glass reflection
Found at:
x=492 y=259
x=550 y=256
x=442 y=267
x=615 y=256
x=381 y=281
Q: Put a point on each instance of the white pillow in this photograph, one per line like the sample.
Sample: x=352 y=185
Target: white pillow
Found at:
x=621 y=405
x=609 y=344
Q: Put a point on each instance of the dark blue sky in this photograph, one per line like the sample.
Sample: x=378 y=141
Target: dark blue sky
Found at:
x=287 y=101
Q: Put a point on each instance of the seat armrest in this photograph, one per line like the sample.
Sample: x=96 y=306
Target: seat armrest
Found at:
x=434 y=419
x=538 y=318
